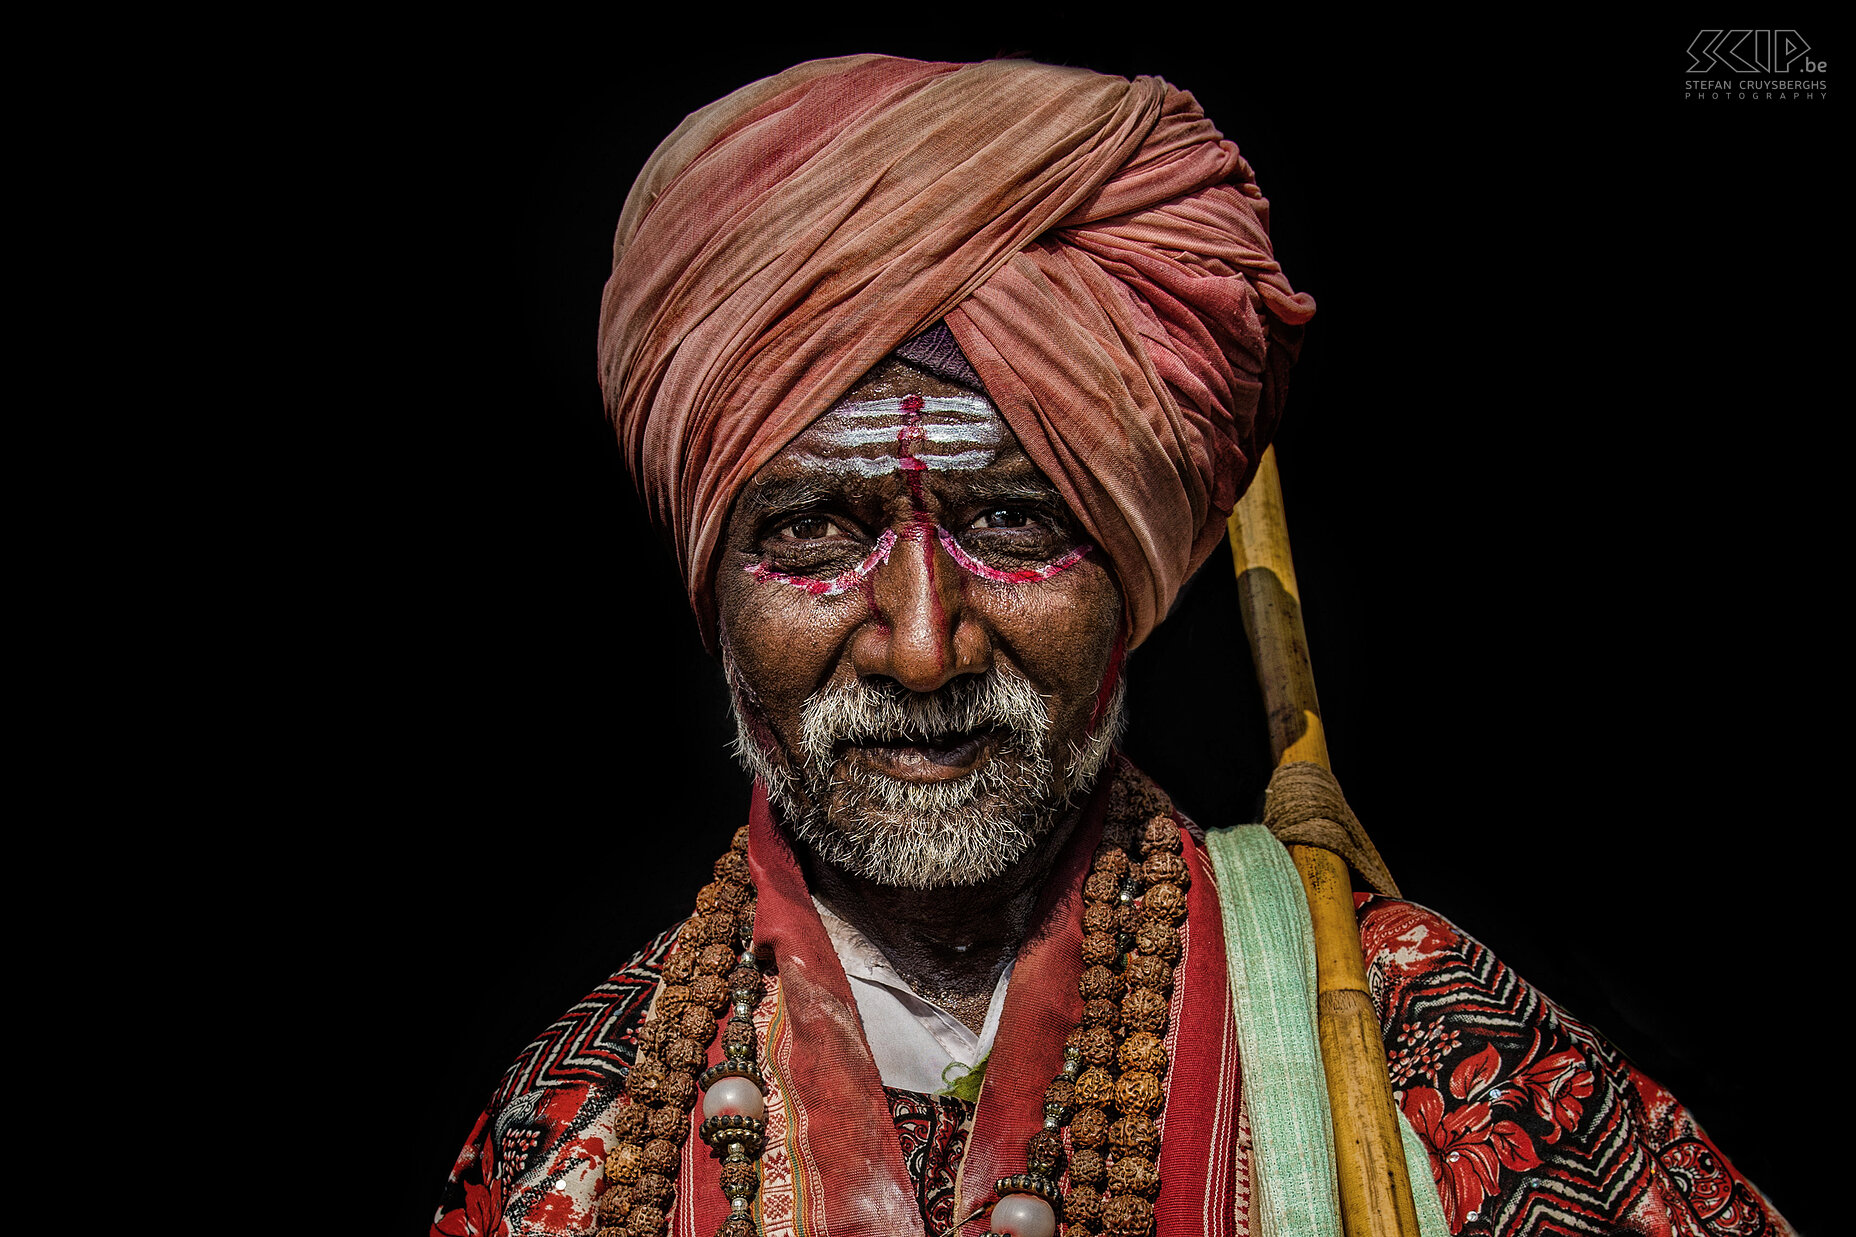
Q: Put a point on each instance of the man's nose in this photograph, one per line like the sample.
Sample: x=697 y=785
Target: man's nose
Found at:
x=922 y=634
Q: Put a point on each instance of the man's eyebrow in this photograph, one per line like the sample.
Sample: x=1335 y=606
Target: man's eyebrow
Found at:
x=1006 y=489
x=793 y=494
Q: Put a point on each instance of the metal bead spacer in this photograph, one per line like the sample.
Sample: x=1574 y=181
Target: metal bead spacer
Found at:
x=1052 y=1121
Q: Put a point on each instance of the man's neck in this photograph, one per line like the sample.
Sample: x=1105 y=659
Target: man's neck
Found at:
x=949 y=944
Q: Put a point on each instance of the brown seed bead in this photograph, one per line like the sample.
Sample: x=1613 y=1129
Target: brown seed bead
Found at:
x=715 y=960
x=1088 y=1166
x=661 y=1156
x=1160 y=834
x=1061 y=1091
x=1046 y=1148
x=1129 y=918
x=696 y=1022
x=1153 y=973
x=1100 y=983
x=733 y=867
x=1135 y=1134
x=650 y=1033
x=630 y=1122
x=1139 y=1091
x=738 y=1032
x=1143 y=1050
x=1101 y=1013
x=747 y=979
x=672 y=998
x=1083 y=1204
x=1100 y=948
x=614 y=1203
x=1165 y=901
x=708 y=898
x=680 y=967
x=1158 y=939
x=711 y=991
x=1113 y=860
x=736 y=1226
x=645 y=1083
x=655 y=1189
x=684 y=1054
x=1134 y=1174
x=1128 y=1215
x=1089 y=1128
x=740 y=843
x=679 y=1091
x=1098 y=917
x=740 y=1175
x=669 y=1124
x=1095 y=1089
x=644 y=1221
x=624 y=1162
x=744 y=924
x=1144 y=1010
x=1165 y=867
x=1102 y=887
x=1097 y=1044
x=721 y=927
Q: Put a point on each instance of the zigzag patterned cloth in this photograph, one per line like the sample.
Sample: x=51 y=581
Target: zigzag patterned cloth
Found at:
x=1533 y=1124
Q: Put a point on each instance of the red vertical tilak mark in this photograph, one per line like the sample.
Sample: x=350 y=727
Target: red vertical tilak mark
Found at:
x=920 y=526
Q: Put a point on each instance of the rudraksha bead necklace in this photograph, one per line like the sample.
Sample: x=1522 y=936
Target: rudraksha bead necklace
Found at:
x=1115 y=1061
x=712 y=968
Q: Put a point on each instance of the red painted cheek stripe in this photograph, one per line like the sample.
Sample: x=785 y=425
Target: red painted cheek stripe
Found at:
x=843 y=582
x=1025 y=576
x=1109 y=680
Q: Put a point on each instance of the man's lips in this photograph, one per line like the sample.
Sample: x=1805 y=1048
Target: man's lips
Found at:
x=939 y=759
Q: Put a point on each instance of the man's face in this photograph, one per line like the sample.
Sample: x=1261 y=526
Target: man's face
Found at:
x=925 y=656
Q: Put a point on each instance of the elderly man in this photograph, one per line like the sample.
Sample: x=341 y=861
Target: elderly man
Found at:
x=942 y=380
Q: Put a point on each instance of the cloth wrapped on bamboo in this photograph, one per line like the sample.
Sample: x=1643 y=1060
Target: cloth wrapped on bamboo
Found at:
x=1100 y=255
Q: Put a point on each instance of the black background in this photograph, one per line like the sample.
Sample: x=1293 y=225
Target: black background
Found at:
x=1560 y=471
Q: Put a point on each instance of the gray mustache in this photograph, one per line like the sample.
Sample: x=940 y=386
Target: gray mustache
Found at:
x=867 y=712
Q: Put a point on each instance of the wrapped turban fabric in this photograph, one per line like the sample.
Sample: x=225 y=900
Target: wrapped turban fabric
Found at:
x=1100 y=253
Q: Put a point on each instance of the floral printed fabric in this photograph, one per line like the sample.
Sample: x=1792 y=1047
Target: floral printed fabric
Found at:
x=1533 y=1123
x=933 y=1130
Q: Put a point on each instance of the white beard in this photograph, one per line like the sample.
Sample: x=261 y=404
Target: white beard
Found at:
x=925 y=835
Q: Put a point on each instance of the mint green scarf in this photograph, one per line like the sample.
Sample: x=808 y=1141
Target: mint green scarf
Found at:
x=1270 y=950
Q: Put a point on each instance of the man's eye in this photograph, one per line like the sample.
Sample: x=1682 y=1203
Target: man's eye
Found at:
x=1003 y=517
x=810 y=528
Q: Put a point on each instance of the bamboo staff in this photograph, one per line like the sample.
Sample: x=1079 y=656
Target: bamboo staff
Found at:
x=1375 y=1190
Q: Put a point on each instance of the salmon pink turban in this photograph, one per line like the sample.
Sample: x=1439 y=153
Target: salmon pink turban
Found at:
x=1099 y=251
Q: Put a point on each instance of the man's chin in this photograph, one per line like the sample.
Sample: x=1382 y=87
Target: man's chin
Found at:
x=918 y=835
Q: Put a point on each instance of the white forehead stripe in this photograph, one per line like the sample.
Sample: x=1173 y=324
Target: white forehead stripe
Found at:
x=953 y=432
x=933 y=433
x=972 y=405
x=885 y=465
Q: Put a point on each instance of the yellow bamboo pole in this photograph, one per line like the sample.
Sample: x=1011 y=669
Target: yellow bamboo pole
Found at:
x=1375 y=1190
